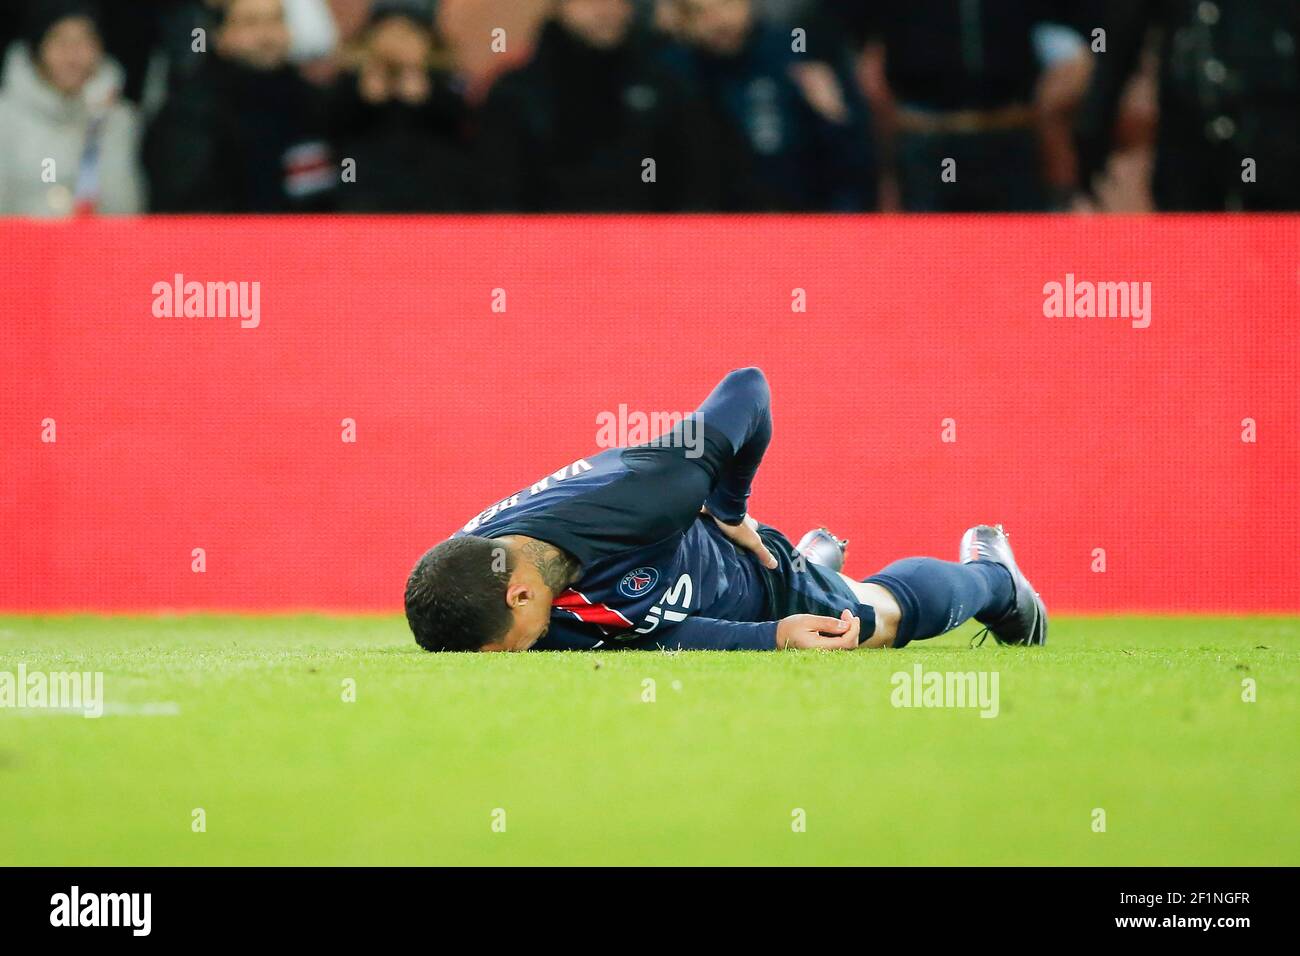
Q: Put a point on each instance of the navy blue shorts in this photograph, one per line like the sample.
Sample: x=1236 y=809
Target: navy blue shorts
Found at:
x=798 y=586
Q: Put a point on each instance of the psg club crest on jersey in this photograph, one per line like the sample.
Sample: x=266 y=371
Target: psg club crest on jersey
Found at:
x=636 y=583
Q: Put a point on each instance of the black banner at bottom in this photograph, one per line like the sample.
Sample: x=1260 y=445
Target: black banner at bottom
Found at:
x=333 y=905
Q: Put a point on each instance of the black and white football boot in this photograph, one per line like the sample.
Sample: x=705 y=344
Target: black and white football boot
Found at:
x=1026 y=622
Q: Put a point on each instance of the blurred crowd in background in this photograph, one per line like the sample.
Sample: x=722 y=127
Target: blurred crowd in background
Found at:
x=235 y=106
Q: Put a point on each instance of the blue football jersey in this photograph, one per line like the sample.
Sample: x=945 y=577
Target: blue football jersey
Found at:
x=654 y=571
x=645 y=581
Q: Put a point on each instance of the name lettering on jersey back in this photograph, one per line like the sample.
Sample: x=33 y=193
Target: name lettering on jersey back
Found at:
x=538 y=487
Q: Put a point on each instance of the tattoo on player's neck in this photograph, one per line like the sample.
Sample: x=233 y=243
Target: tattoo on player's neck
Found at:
x=558 y=569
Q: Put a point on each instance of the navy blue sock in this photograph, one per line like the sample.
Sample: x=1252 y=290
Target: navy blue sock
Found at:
x=936 y=596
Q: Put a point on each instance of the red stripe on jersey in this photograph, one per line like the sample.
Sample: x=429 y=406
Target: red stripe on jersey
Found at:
x=578 y=605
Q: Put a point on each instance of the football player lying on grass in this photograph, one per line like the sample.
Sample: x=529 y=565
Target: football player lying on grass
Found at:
x=650 y=546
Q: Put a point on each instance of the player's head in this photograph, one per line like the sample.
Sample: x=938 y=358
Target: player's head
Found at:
x=476 y=594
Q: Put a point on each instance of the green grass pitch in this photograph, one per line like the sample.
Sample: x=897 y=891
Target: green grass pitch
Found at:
x=244 y=718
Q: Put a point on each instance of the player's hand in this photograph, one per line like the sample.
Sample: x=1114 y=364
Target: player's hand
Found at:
x=745 y=536
x=811 y=631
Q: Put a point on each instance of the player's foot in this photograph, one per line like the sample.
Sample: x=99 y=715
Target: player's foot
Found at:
x=1026 y=622
x=821 y=547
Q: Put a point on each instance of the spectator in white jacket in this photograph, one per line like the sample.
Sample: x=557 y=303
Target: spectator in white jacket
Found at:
x=68 y=144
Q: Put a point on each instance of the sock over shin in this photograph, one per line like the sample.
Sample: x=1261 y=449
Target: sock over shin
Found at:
x=935 y=596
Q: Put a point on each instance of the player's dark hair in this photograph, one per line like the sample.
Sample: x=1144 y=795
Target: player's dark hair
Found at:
x=456 y=594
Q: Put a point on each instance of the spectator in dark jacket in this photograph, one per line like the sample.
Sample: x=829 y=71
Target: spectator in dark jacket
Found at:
x=964 y=73
x=400 y=122
x=246 y=133
x=1229 y=126
x=796 y=120
x=595 y=122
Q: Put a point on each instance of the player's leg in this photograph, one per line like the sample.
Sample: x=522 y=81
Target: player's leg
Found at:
x=911 y=599
x=933 y=596
x=888 y=611
x=916 y=598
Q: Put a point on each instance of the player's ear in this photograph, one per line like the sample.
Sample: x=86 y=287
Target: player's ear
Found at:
x=517 y=595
